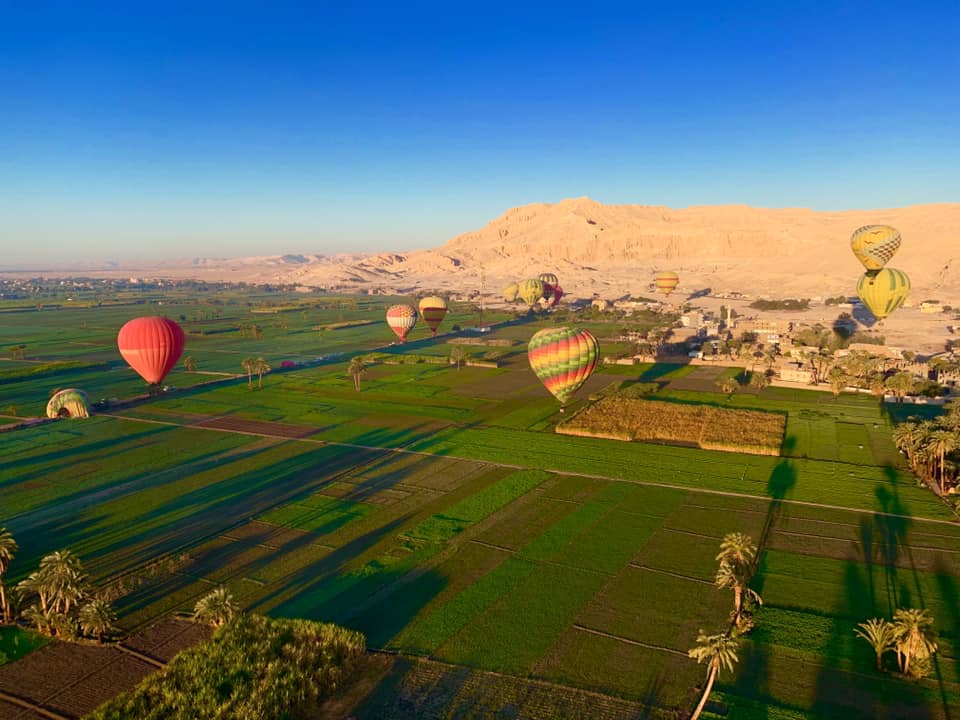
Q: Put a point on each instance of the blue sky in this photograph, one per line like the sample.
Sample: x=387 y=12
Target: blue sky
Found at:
x=245 y=128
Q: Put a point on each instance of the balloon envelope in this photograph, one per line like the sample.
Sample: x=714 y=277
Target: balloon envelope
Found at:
x=510 y=292
x=70 y=403
x=563 y=359
x=401 y=319
x=874 y=245
x=151 y=346
x=433 y=310
x=530 y=291
x=666 y=282
x=548 y=279
x=884 y=292
x=557 y=294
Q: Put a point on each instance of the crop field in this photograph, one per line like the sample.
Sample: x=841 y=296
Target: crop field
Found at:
x=621 y=418
x=437 y=511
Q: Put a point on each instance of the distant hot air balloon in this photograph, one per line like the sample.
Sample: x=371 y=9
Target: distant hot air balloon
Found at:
x=563 y=359
x=884 y=292
x=510 y=292
x=433 y=309
x=666 y=282
x=71 y=403
x=151 y=346
x=401 y=319
x=557 y=294
x=548 y=279
x=874 y=245
x=530 y=291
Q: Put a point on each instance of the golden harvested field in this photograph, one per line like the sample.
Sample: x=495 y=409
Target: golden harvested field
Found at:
x=708 y=427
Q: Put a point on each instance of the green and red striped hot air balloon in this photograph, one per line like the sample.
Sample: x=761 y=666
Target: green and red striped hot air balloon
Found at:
x=401 y=319
x=563 y=359
x=433 y=309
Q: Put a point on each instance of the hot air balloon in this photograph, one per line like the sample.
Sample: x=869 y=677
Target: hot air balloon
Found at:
x=71 y=403
x=548 y=279
x=884 y=292
x=874 y=245
x=433 y=309
x=510 y=292
x=151 y=346
x=563 y=359
x=401 y=319
x=557 y=294
x=530 y=291
x=666 y=282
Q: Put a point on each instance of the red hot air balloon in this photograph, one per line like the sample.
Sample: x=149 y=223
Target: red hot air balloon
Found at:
x=151 y=346
x=557 y=294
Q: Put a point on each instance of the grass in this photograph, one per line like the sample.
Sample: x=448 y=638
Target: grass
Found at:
x=15 y=642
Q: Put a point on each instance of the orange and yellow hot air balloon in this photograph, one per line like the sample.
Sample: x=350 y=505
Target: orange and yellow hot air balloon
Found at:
x=666 y=282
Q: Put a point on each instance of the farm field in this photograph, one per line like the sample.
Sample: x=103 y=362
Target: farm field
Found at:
x=438 y=512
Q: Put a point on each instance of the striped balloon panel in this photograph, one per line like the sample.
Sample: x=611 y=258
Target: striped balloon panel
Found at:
x=401 y=319
x=548 y=279
x=665 y=282
x=433 y=316
x=875 y=245
x=563 y=359
x=884 y=292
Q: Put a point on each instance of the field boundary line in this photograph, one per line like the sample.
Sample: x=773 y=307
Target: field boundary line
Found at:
x=628 y=641
x=568 y=473
x=26 y=704
x=691 y=578
x=159 y=664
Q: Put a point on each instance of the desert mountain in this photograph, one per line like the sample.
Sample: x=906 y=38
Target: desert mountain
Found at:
x=615 y=249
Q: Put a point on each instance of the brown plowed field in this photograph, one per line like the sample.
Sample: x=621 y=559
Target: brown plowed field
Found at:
x=259 y=427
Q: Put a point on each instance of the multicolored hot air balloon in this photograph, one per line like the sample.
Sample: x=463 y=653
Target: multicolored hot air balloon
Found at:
x=433 y=310
x=151 y=346
x=510 y=292
x=548 y=279
x=530 y=291
x=563 y=359
x=69 y=403
x=666 y=282
x=884 y=292
x=874 y=246
x=401 y=319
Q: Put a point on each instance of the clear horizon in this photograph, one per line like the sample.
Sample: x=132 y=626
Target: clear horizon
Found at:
x=229 y=131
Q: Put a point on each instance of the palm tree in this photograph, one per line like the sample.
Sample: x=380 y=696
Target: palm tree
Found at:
x=357 y=369
x=215 y=608
x=728 y=578
x=759 y=380
x=838 y=380
x=914 y=636
x=247 y=365
x=718 y=651
x=941 y=442
x=8 y=548
x=97 y=618
x=738 y=550
x=260 y=367
x=729 y=385
x=189 y=363
x=900 y=385
x=880 y=634
x=62 y=577
x=907 y=437
x=458 y=355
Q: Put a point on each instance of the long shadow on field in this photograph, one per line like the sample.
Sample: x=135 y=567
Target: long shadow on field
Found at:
x=59 y=455
x=950 y=599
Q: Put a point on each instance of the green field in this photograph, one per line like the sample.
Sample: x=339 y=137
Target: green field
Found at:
x=437 y=511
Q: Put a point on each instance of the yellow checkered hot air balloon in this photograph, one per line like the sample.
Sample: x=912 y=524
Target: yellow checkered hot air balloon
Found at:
x=884 y=292
x=563 y=359
x=433 y=309
x=874 y=246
